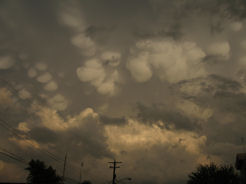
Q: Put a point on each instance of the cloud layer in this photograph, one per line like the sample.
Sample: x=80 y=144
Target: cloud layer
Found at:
x=159 y=85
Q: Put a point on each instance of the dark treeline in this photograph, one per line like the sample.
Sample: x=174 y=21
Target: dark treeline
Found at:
x=39 y=173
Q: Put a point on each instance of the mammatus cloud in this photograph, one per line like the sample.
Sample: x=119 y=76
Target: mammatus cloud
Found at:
x=44 y=78
x=51 y=86
x=58 y=102
x=170 y=60
x=24 y=94
x=100 y=70
x=101 y=74
x=32 y=72
x=6 y=62
x=219 y=49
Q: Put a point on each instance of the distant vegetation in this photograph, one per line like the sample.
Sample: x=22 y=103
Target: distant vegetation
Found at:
x=213 y=174
x=39 y=173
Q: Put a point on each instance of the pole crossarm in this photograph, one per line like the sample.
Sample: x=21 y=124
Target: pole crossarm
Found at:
x=114 y=167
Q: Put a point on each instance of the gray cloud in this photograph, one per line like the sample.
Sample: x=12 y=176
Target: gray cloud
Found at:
x=112 y=120
x=165 y=113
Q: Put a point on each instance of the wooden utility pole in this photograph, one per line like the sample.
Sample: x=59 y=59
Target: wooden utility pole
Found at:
x=64 y=167
x=114 y=167
x=80 y=174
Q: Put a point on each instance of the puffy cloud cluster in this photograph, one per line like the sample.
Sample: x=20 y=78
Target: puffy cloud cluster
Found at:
x=101 y=73
x=58 y=124
x=100 y=70
x=40 y=71
x=72 y=17
x=170 y=60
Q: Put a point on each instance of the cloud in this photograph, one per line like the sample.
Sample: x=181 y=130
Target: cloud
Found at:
x=44 y=78
x=236 y=26
x=6 y=97
x=171 y=117
x=51 y=86
x=161 y=58
x=112 y=120
x=32 y=73
x=220 y=49
x=111 y=57
x=24 y=94
x=44 y=135
x=41 y=66
x=84 y=43
x=140 y=68
x=210 y=85
x=58 y=102
x=83 y=131
x=6 y=62
x=98 y=69
x=25 y=143
x=193 y=110
x=170 y=60
x=102 y=77
x=154 y=152
x=22 y=126
x=72 y=17
x=7 y=169
x=243 y=44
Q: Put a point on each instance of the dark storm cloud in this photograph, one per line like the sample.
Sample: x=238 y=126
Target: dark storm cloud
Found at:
x=90 y=138
x=226 y=126
x=44 y=135
x=211 y=85
x=166 y=114
x=112 y=120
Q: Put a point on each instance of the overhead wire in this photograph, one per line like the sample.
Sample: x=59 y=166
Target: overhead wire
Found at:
x=9 y=128
x=51 y=155
x=12 y=130
x=12 y=157
x=13 y=154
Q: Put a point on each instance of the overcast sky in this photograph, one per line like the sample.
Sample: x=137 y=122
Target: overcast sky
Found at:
x=157 y=84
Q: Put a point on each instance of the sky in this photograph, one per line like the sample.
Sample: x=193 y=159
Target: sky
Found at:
x=159 y=85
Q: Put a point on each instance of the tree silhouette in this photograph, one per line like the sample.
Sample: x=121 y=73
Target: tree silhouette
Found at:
x=213 y=174
x=86 y=182
x=40 y=174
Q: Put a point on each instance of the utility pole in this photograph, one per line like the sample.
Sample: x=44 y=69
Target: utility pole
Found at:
x=80 y=175
x=64 y=167
x=114 y=167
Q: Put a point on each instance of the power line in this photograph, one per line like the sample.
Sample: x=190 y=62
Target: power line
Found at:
x=51 y=155
x=6 y=125
x=12 y=157
x=12 y=130
x=12 y=154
